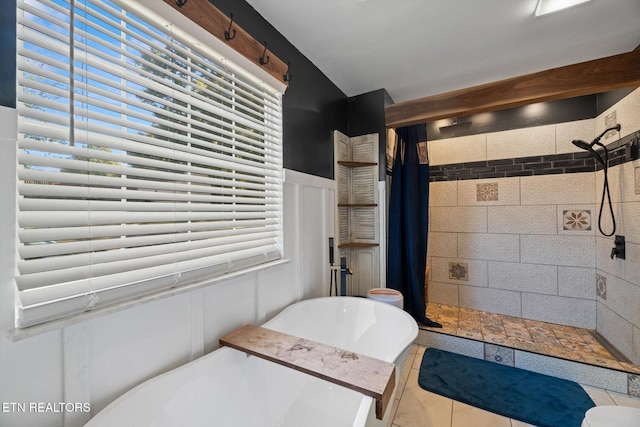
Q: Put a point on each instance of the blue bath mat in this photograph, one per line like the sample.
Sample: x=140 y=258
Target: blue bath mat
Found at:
x=530 y=397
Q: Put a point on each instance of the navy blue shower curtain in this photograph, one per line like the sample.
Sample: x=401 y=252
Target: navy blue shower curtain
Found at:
x=408 y=224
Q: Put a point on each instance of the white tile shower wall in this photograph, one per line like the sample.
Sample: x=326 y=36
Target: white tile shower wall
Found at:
x=520 y=259
x=446 y=194
x=490 y=299
x=573 y=188
x=567 y=251
x=534 y=218
x=576 y=282
x=618 y=317
x=538 y=278
x=490 y=247
x=576 y=312
x=524 y=252
x=459 y=219
x=444 y=244
x=458 y=150
x=516 y=219
x=567 y=132
x=444 y=293
x=477 y=269
x=619 y=295
x=534 y=141
x=615 y=329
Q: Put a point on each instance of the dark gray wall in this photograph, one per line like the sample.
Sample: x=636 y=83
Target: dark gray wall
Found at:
x=544 y=113
x=366 y=115
x=8 y=50
x=608 y=99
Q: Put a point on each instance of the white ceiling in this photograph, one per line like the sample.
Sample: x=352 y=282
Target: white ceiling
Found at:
x=417 y=48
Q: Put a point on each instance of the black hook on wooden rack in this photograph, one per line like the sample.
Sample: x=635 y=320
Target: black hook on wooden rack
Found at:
x=262 y=60
x=287 y=76
x=181 y=3
x=228 y=35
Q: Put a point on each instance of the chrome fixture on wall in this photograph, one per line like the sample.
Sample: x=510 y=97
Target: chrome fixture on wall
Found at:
x=605 y=164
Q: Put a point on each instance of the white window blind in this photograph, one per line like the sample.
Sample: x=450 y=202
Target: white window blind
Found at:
x=145 y=161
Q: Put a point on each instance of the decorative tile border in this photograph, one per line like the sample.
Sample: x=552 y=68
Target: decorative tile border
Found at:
x=601 y=286
x=580 y=161
x=459 y=271
x=487 y=192
x=578 y=220
x=499 y=354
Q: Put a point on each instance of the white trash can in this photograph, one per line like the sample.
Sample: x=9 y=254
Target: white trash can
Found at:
x=386 y=295
x=611 y=416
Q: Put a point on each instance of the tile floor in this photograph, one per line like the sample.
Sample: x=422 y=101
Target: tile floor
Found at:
x=550 y=339
x=415 y=407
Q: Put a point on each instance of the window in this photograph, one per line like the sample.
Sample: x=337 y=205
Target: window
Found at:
x=145 y=161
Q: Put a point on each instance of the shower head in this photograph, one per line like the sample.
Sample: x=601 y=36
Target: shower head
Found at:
x=586 y=146
x=589 y=147
x=581 y=144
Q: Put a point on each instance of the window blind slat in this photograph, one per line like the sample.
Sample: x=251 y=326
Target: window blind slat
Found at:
x=74 y=254
x=141 y=155
x=77 y=233
x=107 y=175
x=151 y=200
x=39 y=251
x=86 y=267
x=77 y=218
x=165 y=179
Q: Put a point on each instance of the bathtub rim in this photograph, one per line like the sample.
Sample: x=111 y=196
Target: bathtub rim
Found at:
x=356 y=300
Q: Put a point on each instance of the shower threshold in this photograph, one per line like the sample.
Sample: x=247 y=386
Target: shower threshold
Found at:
x=549 y=339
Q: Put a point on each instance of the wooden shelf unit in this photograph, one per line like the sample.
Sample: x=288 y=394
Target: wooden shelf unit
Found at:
x=357 y=209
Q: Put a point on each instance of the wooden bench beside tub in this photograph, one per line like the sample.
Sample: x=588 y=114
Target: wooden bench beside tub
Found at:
x=367 y=375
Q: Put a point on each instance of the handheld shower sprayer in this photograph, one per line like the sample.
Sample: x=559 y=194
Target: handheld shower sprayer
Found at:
x=589 y=146
x=605 y=164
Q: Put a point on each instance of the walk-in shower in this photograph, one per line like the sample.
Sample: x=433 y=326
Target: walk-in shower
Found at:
x=604 y=161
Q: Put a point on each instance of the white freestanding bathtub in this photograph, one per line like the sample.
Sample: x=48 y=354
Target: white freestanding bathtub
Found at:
x=228 y=388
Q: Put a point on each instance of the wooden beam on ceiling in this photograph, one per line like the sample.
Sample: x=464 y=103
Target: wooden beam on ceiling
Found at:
x=585 y=78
